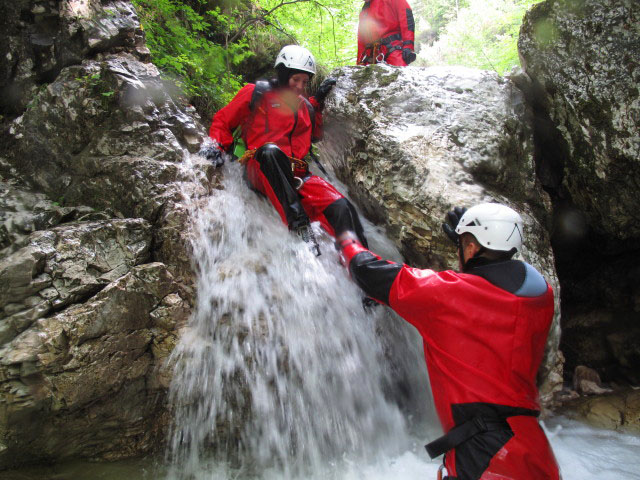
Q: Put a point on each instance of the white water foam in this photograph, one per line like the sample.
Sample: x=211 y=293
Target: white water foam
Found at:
x=280 y=368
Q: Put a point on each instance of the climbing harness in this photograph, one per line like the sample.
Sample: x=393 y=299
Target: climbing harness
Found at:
x=297 y=166
x=377 y=55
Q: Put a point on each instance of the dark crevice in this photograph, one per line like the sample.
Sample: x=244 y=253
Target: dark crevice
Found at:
x=593 y=268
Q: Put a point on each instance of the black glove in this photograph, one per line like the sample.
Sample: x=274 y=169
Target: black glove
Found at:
x=453 y=217
x=408 y=55
x=213 y=154
x=324 y=89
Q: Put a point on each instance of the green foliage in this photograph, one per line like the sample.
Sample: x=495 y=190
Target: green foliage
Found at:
x=484 y=35
x=203 y=45
x=326 y=27
x=436 y=15
x=180 y=40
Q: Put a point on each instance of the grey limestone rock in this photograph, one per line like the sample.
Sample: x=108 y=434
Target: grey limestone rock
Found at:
x=585 y=56
x=582 y=65
x=82 y=382
x=43 y=37
x=95 y=271
x=67 y=265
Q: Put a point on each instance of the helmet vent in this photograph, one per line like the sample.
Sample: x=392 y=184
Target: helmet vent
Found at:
x=516 y=228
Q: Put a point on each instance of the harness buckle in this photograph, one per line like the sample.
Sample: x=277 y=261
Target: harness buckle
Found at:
x=297 y=164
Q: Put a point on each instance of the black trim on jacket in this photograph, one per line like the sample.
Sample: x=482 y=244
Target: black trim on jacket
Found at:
x=374 y=276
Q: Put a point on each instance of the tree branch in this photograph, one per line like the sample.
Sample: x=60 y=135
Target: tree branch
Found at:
x=262 y=18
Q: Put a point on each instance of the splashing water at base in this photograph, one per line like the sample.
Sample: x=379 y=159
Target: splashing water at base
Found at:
x=280 y=371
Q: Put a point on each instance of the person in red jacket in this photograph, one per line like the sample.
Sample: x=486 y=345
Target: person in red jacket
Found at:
x=386 y=32
x=484 y=331
x=278 y=124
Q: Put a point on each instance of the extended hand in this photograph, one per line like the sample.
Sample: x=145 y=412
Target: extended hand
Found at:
x=408 y=55
x=453 y=217
x=213 y=154
x=324 y=89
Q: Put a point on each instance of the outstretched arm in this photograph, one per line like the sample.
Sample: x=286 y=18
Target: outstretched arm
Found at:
x=408 y=291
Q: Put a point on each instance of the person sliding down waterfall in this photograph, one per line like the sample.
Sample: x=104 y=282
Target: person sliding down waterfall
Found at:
x=278 y=124
x=484 y=332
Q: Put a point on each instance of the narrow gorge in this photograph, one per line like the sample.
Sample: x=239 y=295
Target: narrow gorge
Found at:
x=138 y=321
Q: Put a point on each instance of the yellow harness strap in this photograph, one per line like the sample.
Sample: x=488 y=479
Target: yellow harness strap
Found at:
x=246 y=156
x=296 y=164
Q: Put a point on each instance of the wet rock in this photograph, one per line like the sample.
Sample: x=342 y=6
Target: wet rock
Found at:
x=586 y=381
x=615 y=411
x=585 y=57
x=40 y=38
x=552 y=393
x=23 y=212
x=96 y=178
x=582 y=66
x=91 y=371
x=66 y=265
x=411 y=143
x=104 y=134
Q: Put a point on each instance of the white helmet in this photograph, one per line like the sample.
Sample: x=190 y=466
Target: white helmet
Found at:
x=297 y=58
x=495 y=226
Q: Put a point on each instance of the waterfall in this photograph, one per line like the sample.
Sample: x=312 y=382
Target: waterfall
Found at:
x=280 y=371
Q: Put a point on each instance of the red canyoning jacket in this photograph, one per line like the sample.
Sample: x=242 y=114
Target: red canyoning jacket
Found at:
x=387 y=21
x=283 y=118
x=484 y=333
x=280 y=117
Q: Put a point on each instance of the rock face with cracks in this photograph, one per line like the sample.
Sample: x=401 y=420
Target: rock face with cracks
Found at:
x=582 y=64
x=95 y=271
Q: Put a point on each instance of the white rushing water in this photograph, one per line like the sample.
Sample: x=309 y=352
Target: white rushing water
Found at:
x=281 y=374
x=281 y=369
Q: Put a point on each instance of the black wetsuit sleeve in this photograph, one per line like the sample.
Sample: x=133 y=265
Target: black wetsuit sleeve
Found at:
x=373 y=275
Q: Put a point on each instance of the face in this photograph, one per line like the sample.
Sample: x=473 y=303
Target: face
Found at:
x=298 y=82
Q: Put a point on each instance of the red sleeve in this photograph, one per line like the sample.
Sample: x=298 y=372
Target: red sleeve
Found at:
x=405 y=289
x=407 y=23
x=352 y=250
x=318 y=130
x=229 y=117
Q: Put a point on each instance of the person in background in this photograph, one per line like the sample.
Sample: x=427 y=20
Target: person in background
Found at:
x=278 y=124
x=484 y=330
x=386 y=32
